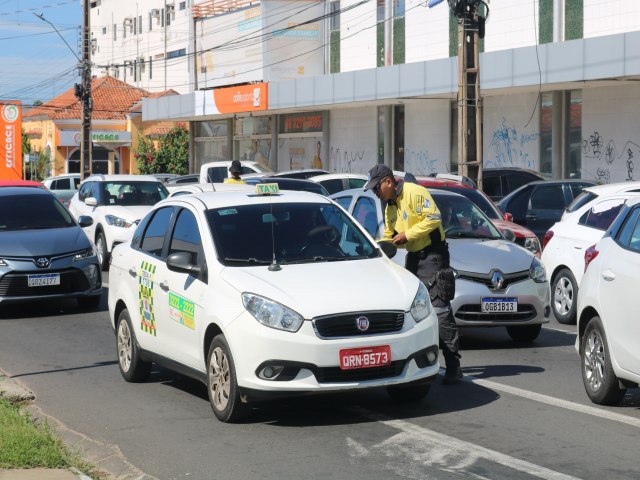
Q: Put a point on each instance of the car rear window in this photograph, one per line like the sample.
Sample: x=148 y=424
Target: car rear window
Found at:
x=32 y=212
x=582 y=199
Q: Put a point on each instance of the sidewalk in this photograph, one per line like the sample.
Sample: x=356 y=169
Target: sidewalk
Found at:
x=107 y=458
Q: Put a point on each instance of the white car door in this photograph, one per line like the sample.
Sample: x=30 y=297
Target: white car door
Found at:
x=180 y=296
x=619 y=299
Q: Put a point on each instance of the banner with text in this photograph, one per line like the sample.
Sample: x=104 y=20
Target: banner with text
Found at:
x=10 y=140
x=243 y=98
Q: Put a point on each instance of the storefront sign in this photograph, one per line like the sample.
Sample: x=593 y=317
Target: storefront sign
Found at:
x=301 y=122
x=10 y=140
x=73 y=138
x=245 y=98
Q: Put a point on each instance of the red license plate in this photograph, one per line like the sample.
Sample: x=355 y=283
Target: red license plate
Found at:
x=367 y=357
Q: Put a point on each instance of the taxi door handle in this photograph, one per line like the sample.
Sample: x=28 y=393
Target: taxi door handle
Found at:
x=608 y=275
x=164 y=286
x=133 y=273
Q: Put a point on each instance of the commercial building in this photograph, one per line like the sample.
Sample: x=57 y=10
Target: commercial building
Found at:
x=355 y=82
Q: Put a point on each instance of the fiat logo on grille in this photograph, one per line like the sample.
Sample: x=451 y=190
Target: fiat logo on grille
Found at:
x=42 y=262
x=362 y=323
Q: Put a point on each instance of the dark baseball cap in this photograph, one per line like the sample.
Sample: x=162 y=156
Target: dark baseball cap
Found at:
x=236 y=167
x=378 y=173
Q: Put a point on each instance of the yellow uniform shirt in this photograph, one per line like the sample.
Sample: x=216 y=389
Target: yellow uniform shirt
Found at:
x=414 y=213
x=238 y=181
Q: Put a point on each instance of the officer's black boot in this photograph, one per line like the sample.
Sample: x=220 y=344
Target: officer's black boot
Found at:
x=453 y=374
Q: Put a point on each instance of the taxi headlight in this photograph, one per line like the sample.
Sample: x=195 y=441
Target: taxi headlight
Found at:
x=272 y=314
x=421 y=306
x=89 y=252
x=537 y=272
x=117 y=221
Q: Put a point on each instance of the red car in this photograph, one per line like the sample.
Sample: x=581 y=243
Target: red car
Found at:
x=20 y=183
x=524 y=237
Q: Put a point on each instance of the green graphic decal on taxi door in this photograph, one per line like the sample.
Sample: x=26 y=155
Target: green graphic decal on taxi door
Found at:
x=145 y=296
x=181 y=310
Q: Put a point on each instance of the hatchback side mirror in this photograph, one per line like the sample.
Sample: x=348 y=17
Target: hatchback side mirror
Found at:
x=85 y=221
x=181 y=262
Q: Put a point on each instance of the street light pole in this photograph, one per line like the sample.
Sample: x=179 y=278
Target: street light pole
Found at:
x=85 y=92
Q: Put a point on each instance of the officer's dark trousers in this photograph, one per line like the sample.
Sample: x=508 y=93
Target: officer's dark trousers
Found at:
x=424 y=268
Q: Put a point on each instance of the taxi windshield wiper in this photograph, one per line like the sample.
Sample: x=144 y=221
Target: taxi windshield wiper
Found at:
x=251 y=260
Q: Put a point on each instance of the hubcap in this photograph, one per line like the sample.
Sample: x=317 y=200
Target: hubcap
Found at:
x=219 y=379
x=124 y=346
x=563 y=296
x=594 y=361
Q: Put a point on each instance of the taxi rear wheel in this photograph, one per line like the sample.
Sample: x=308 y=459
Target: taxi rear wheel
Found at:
x=222 y=385
x=132 y=367
x=411 y=392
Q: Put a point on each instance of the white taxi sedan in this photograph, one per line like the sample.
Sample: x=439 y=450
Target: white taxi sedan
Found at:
x=262 y=295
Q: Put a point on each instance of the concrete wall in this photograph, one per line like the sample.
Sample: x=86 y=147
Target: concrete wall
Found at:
x=353 y=140
x=358 y=36
x=606 y=17
x=610 y=133
x=424 y=43
x=427 y=144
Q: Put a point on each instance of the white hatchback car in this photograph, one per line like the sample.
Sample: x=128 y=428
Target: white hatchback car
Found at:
x=498 y=283
x=584 y=223
x=337 y=182
x=116 y=203
x=268 y=295
x=608 y=338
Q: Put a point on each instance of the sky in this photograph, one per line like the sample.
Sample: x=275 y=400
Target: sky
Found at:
x=35 y=63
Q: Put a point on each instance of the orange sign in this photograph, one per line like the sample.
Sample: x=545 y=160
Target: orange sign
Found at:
x=10 y=140
x=244 y=98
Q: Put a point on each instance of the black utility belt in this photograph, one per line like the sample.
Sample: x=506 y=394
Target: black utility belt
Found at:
x=422 y=254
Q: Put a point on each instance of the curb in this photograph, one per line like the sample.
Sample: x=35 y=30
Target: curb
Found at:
x=107 y=458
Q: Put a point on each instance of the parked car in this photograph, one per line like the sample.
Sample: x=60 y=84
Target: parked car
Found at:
x=500 y=182
x=337 y=182
x=116 y=203
x=289 y=184
x=191 y=178
x=566 y=241
x=44 y=253
x=190 y=188
x=69 y=181
x=498 y=283
x=538 y=205
x=608 y=339
x=64 y=196
x=21 y=183
x=216 y=172
x=453 y=183
x=232 y=289
x=303 y=174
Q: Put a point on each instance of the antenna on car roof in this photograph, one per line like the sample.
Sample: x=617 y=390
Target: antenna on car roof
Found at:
x=270 y=189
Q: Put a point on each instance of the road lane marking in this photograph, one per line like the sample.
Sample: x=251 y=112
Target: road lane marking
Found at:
x=555 y=402
x=556 y=329
x=419 y=446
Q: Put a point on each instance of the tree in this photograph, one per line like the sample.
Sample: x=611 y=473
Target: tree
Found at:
x=171 y=156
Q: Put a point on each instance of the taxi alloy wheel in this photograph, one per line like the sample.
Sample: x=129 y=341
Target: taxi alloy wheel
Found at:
x=132 y=367
x=598 y=376
x=221 y=382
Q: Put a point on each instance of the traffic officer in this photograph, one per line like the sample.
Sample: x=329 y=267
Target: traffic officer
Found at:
x=412 y=221
x=235 y=170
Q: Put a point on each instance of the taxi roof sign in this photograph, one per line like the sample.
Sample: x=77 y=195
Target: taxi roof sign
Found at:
x=267 y=188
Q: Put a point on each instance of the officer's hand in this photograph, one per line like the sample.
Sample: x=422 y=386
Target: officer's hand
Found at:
x=399 y=239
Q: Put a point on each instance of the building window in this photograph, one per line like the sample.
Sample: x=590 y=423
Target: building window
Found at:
x=104 y=30
x=182 y=6
x=398 y=32
x=115 y=32
x=334 y=28
x=150 y=68
x=140 y=24
x=177 y=53
x=162 y=17
x=134 y=30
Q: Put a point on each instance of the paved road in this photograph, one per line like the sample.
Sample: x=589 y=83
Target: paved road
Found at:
x=521 y=413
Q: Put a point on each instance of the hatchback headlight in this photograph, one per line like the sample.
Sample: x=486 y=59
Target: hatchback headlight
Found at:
x=117 y=221
x=532 y=244
x=537 y=271
x=272 y=314
x=421 y=306
x=89 y=252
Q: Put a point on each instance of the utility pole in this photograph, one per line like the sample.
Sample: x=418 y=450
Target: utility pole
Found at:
x=84 y=93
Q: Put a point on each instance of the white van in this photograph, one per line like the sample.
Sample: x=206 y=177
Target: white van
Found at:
x=216 y=172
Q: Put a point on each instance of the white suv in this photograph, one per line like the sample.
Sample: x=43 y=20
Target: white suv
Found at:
x=116 y=203
x=216 y=172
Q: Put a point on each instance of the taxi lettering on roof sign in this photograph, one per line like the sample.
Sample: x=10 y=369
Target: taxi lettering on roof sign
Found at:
x=267 y=188
x=231 y=289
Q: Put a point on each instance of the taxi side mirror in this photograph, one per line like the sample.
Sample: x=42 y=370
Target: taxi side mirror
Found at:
x=388 y=248
x=181 y=262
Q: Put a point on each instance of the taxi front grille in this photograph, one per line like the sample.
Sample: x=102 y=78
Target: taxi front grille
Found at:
x=16 y=284
x=346 y=325
x=473 y=313
x=336 y=375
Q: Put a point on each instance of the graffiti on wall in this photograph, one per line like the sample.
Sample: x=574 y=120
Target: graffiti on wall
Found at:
x=419 y=162
x=509 y=148
x=349 y=161
x=610 y=157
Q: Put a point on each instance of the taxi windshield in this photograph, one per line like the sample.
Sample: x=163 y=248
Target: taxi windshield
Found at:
x=251 y=235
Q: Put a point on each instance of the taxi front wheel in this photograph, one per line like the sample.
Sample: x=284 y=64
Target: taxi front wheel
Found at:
x=132 y=367
x=221 y=382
